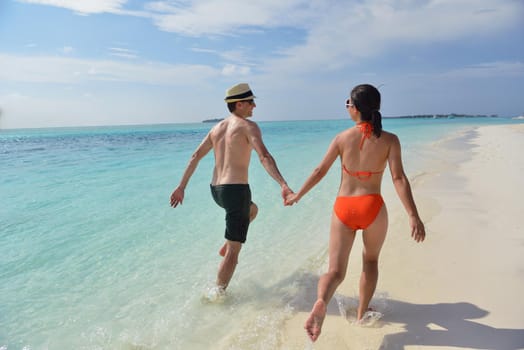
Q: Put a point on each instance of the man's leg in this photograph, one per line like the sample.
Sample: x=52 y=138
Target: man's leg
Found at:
x=253 y=211
x=229 y=263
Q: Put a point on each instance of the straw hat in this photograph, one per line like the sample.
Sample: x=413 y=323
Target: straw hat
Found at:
x=239 y=92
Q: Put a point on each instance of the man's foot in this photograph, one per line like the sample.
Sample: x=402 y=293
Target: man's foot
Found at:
x=314 y=322
x=222 y=251
x=215 y=294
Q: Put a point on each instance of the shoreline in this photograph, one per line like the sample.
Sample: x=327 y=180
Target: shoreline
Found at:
x=447 y=291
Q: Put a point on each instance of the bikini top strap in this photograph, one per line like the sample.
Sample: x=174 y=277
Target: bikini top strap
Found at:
x=366 y=129
x=360 y=174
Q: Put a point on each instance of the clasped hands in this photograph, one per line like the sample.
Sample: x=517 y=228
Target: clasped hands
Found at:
x=289 y=196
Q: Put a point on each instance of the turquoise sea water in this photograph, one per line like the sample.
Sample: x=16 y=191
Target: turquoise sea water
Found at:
x=93 y=257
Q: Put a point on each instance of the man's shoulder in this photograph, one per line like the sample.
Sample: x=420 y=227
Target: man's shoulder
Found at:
x=251 y=123
x=245 y=124
x=218 y=126
x=234 y=126
x=252 y=128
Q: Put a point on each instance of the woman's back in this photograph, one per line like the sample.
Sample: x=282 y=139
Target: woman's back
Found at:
x=363 y=160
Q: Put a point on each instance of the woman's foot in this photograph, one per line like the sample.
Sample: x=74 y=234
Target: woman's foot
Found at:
x=361 y=313
x=314 y=322
x=369 y=317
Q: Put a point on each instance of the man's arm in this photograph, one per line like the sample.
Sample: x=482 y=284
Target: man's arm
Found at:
x=267 y=160
x=177 y=197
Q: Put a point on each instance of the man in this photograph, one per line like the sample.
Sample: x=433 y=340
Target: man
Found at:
x=232 y=141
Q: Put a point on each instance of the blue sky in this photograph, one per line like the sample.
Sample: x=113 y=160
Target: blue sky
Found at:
x=111 y=62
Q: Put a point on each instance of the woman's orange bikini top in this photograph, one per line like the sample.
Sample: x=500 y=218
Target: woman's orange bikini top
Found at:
x=366 y=129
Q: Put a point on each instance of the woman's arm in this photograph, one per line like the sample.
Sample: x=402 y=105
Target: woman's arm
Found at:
x=403 y=188
x=318 y=173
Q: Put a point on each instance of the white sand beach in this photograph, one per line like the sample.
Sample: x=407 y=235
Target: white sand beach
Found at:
x=463 y=287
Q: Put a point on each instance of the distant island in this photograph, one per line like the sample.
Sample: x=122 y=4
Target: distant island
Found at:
x=446 y=116
x=214 y=120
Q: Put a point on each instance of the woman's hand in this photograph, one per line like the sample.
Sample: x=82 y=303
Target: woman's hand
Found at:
x=417 y=229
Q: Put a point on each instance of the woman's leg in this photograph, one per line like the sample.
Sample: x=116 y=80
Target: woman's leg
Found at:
x=340 y=242
x=373 y=238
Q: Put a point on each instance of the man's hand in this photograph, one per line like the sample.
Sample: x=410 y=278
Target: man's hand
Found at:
x=286 y=191
x=177 y=197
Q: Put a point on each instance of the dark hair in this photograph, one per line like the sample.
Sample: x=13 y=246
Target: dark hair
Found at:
x=231 y=106
x=366 y=99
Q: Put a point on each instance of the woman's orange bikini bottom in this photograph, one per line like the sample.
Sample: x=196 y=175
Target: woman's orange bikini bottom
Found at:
x=358 y=212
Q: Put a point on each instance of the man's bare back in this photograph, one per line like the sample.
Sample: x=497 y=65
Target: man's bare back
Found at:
x=232 y=149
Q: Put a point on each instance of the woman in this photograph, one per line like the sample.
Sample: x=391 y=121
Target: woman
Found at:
x=364 y=151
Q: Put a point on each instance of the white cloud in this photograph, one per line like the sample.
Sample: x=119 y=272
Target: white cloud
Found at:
x=235 y=70
x=351 y=33
x=336 y=33
x=49 y=69
x=201 y=50
x=238 y=57
x=122 y=52
x=89 y=7
x=67 y=50
x=494 y=70
x=83 y=6
x=216 y=17
x=386 y=19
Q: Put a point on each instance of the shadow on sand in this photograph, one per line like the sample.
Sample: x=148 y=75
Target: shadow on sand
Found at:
x=440 y=324
x=456 y=327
